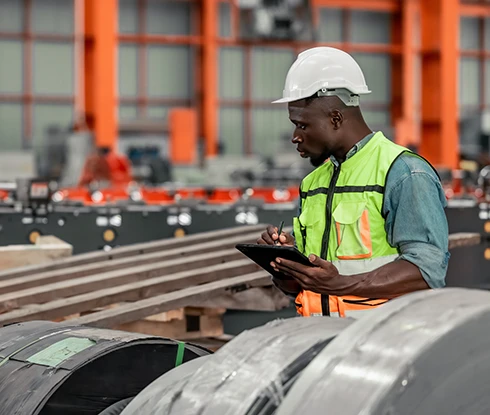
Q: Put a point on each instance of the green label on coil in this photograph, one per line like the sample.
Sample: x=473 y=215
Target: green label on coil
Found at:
x=58 y=352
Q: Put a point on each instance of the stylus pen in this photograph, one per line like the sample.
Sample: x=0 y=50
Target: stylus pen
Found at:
x=281 y=225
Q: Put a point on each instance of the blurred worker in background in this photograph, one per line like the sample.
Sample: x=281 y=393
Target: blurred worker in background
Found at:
x=372 y=217
x=106 y=166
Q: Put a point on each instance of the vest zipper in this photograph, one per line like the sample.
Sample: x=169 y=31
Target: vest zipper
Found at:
x=326 y=233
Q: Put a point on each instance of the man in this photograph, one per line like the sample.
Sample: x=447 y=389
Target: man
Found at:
x=371 y=216
x=106 y=165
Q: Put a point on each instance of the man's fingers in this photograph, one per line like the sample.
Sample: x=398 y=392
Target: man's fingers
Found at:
x=319 y=262
x=266 y=237
x=285 y=271
x=298 y=276
x=272 y=231
x=293 y=265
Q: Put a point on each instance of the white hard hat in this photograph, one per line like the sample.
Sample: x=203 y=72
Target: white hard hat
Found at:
x=325 y=71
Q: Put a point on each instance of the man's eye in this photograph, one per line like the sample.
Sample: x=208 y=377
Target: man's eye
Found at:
x=301 y=126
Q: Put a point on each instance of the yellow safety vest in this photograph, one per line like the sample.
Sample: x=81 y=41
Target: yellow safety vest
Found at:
x=341 y=221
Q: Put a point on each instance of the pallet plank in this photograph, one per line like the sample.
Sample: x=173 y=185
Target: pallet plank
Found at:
x=50 y=292
x=131 y=250
x=169 y=301
x=457 y=240
x=128 y=292
x=34 y=280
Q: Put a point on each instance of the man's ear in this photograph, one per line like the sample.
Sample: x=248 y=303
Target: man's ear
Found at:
x=336 y=118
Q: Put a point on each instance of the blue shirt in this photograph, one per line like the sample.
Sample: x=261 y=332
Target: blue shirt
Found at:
x=416 y=223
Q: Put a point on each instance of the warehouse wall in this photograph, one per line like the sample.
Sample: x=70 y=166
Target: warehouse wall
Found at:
x=269 y=126
x=36 y=70
x=153 y=76
x=471 y=94
x=38 y=74
x=474 y=81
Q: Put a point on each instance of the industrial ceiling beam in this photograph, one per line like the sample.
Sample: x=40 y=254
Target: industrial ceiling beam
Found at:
x=375 y=5
x=100 y=70
x=477 y=10
x=439 y=53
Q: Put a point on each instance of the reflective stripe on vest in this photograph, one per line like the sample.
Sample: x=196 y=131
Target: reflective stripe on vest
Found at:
x=348 y=306
x=364 y=265
x=341 y=221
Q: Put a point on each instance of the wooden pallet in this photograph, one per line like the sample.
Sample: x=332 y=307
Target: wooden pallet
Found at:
x=129 y=284
x=138 y=281
x=184 y=324
x=45 y=250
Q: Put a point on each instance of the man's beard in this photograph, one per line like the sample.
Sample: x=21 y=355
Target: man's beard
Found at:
x=318 y=161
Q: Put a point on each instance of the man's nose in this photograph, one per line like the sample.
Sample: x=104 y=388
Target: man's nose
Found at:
x=296 y=139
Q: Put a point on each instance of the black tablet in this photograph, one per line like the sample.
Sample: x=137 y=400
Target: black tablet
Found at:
x=263 y=255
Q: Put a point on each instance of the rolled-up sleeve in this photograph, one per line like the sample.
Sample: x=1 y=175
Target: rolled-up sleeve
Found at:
x=416 y=223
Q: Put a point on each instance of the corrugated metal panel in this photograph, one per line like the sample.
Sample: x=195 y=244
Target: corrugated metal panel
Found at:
x=11 y=127
x=377 y=120
x=272 y=131
x=169 y=17
x=11 y=16
x=47 y=115
x=469 y=85
x=377 y=71
x=224 y=19
x=370 y=27
x=128 y=16
x=487 y=82
x=52 y=16
x=158 y=112
x=231 y=73
x=53 y=68
x=331 y=26
x=269 y=69
x=169 y=71
x=231 y=126
x=487 y=33
x=128 y=112
x=469 y=33
x=128 y=70
x=11 y=66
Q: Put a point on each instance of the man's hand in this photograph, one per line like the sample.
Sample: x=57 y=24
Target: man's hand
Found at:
x=322 y=278
x=270 y=236
x=288 y=285
x=388 y=281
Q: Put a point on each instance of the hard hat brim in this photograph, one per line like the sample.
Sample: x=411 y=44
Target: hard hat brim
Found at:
x=285 y=100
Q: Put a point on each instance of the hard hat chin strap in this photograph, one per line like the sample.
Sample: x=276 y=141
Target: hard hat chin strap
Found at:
x=349 y=99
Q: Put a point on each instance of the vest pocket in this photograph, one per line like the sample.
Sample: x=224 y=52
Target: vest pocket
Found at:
x=308 y=222
x=353 y=232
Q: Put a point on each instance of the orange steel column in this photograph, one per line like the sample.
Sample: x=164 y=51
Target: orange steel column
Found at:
x=403 y=75
x=100 y=69
x=440 y=28
x=210 y=76
x=183 y=135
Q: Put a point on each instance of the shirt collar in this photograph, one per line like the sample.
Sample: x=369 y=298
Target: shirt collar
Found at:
x=357 y=147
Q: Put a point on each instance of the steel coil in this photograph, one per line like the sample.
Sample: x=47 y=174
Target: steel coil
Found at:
x=251 y=374
x=425 y=353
